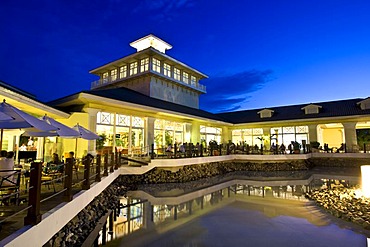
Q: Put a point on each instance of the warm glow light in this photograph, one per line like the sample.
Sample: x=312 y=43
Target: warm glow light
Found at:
x=365 y=179
x=151 y=41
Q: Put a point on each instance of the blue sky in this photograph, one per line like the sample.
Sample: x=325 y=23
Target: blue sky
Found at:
x=256 y=53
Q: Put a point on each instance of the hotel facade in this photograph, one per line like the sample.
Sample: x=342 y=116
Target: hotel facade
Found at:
x=150 y=98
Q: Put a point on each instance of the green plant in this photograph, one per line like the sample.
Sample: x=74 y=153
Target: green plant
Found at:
x=315 y=144
x=119 y=142
x=168 y=137
x=296 y=145
x=100 y=142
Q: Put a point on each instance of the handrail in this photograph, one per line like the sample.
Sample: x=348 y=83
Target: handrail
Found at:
x=108 y=81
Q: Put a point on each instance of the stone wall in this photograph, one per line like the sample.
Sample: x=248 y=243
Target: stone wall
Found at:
x=344 y=203
x=338 y=162
x=199 y=171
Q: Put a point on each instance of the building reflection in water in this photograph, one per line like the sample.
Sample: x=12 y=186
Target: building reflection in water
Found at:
x=144 y=211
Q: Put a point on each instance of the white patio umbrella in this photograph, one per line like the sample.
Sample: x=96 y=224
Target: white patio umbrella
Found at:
x=20 y=120
x=84 y=134
x=62 y=130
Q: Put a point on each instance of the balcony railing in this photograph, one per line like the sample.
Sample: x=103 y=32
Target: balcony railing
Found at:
x=109 y=80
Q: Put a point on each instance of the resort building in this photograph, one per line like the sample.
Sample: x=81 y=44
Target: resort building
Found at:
x=150 y=98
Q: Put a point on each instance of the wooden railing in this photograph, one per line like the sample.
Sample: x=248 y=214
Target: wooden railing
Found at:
x=92 y=172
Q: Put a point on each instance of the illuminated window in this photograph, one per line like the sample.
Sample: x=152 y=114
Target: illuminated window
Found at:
x=144 y=64
x=167 y=70
x=137 y=122
x=247 y=136
x=105 y=77
x=301 y=129
x=193 y=80
x=133 y=68
x=176 y=74
x=122 y=120
x=113 y=74
x=167 y=132
x=208 y=134
x=123 y=71
x=104 y=118
x=156 y=65
x=185 y=77
x=288 y=130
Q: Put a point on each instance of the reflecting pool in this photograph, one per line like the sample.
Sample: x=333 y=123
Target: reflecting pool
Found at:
x=234 y=210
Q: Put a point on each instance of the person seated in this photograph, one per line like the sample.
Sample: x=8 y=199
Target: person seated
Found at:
x=169 y=150
x=182 y=150
x=55 y=164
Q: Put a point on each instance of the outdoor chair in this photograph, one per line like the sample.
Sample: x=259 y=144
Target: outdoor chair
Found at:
x=9 y=186
x=47 y=179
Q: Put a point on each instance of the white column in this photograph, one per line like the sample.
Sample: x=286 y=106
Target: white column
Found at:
x=40 y=148
x=350 y=136
x=149 y=130
x=92 y=126
x=312 y=132
x=114 y=132
x=130 y=137
x=266 y=136
x=188 y=130
x=195 y=132
x=226 y=135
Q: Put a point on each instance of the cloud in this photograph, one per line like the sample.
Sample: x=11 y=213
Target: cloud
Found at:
x=229 y=92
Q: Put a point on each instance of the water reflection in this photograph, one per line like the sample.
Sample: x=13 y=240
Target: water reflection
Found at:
x=155 y=210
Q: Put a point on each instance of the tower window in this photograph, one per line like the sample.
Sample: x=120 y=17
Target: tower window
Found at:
x=176 y=74
x=123 y=71
x=185 y=77
x=167 y=70
x=133 y=68
x=144 y=64
x=156 y=65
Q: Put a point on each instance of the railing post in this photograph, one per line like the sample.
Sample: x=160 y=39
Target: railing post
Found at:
x=152 y=152
x=116 y=161
x=104 y=235
x=98 y=163
x=33 y=215
x=105 y=165
x=175 y=151
x=67 y=196
x=86 y=183
x=220 y=152
x=110 y=223
x=112 y=163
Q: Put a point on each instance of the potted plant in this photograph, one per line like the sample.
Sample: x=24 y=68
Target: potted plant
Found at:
x=315 y=146
x=296 y=147
x=100 y=143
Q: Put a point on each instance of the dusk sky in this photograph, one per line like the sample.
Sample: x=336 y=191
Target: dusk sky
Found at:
x=256 y=53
